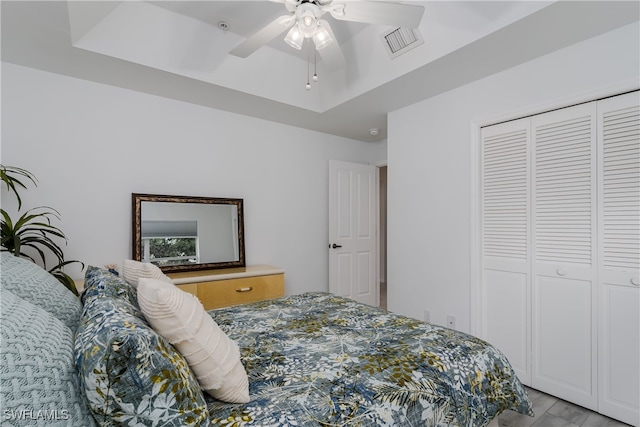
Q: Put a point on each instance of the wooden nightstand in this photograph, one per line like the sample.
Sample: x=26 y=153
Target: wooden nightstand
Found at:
x=232 y=286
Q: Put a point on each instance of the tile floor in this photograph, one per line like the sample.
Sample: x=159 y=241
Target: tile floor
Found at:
x=553 y=412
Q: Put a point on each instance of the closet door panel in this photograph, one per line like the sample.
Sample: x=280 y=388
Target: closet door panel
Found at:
x=505 y=300
x=505 y=192
x=619 y=149
x=563 y=253
x=564 y=180
x=562 y=339
x=619 y=359
x=505 y=198
x=619 y=257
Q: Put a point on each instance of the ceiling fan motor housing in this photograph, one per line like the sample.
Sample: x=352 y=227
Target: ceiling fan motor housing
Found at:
x=307 y=15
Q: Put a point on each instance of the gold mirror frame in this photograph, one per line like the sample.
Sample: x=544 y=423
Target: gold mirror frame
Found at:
x=137 y=199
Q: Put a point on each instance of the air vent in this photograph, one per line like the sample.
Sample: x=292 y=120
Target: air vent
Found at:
x=401 y=40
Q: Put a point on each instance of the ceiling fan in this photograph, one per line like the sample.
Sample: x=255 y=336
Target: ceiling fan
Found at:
x=304 y=22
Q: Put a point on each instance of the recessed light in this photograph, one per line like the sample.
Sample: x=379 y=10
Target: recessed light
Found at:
x=374 y=131
x=224 y=26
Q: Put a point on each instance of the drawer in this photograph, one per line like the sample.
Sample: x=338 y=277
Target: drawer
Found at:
x=191 y=288
x=223 y=293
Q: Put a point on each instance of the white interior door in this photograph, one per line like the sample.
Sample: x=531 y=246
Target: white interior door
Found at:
x=353 y=255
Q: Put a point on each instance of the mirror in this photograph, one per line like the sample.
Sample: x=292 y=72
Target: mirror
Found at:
x=182 y=233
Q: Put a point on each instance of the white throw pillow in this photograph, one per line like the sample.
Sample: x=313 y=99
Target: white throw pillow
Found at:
x=133 y=270
x=213 y=357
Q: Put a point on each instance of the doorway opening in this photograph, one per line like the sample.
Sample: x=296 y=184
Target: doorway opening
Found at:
x=382 y=188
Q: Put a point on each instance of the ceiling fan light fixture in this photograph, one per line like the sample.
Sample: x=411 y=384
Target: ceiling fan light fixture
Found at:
x=294 y=38
x=322 y=38
x=308 y=24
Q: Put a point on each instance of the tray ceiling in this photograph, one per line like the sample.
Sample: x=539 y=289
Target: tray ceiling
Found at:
x=176 y=49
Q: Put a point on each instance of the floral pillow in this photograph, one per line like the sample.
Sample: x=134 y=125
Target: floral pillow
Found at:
x=99 y=282
x=129 y=373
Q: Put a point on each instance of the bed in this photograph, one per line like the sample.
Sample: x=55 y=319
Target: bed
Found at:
x=313 y=359
x=317 y=359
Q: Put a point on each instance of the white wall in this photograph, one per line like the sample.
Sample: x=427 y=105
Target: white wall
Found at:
x=429 y=156
x=92 y=145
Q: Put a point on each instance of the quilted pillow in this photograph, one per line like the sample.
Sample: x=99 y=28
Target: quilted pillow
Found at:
x=32 y=283
x=213 y=356
x=99 y=283
x=38 y=380
x=134 y=270
x=129 y=373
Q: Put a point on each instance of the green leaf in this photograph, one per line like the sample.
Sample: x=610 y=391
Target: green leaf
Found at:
x=33 y=229
x=65 y=279
x=10 y=176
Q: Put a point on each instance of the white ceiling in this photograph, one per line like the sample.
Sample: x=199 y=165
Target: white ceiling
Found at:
x=175 y=49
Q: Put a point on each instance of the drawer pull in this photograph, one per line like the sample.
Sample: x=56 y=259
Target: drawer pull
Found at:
x=635 y=281
x=247 y=289
x=561 y=272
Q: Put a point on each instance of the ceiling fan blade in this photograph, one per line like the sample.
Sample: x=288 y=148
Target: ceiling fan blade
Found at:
x=289 y=4
x=375 y=12
x=332 y=55
x=264 y=36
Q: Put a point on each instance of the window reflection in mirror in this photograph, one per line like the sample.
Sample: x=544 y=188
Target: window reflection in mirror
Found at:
x=181 y=233
x=169 y=242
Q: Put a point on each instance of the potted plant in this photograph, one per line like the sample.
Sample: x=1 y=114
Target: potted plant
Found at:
x=33 y=230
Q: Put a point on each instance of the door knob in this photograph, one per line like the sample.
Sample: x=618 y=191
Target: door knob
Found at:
x=334 y=246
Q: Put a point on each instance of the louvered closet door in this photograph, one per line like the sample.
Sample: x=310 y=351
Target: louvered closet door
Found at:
x=505 y=320
x=564 y=221
x=619 y=260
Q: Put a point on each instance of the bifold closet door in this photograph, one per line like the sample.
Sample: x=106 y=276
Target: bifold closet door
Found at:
x=560 y=233
x=564 y=270
x=619 y=259
x=505 y=198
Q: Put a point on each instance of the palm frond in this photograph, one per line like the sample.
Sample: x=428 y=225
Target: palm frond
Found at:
x=64 y=278
x=10 y=176
x=410 y=392
x=33 y=230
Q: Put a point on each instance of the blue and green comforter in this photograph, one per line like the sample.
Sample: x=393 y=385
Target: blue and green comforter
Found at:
x=320 y=360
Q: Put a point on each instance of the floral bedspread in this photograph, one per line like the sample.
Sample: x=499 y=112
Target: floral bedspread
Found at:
x=316 y=359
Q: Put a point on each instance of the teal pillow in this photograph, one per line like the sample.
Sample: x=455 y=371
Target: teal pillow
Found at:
x=38 y=381
x=130 y=374
x=32 y=283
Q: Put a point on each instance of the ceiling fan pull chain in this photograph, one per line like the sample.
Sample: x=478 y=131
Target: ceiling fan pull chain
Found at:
x=315 y=65
x=308 y=85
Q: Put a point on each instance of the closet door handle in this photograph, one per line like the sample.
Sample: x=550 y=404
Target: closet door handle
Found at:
x=334 y=246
